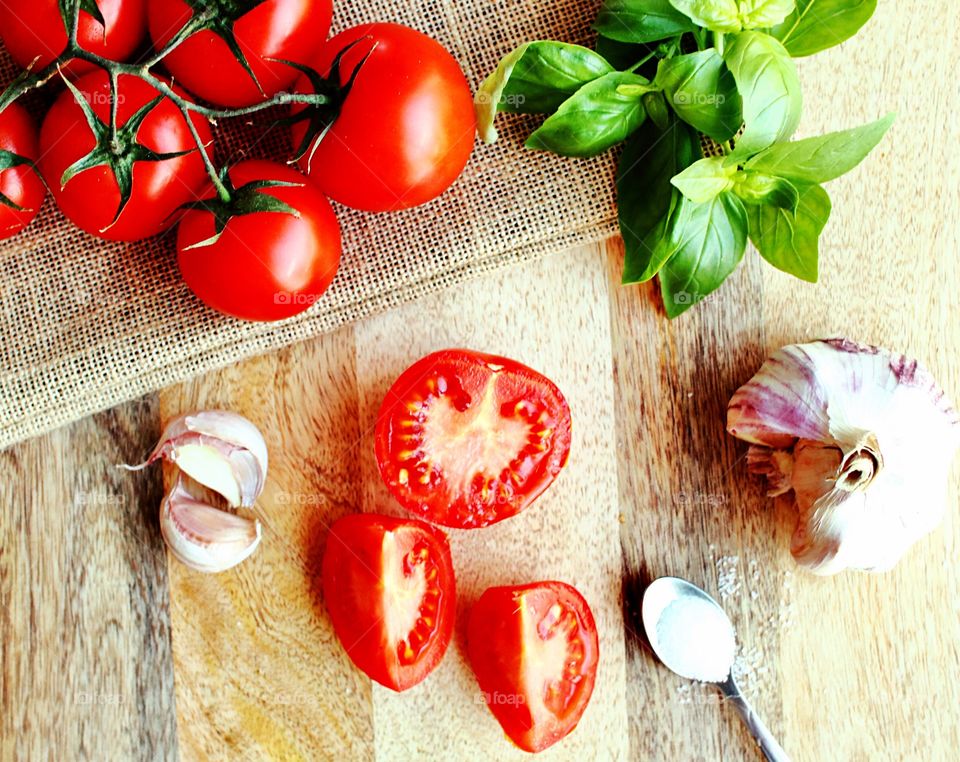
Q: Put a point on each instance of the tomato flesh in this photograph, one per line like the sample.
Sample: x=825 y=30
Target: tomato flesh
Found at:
x=389 y=586
x=466 y=439
x=20 y=185
x=406 y=128
x=534 y=650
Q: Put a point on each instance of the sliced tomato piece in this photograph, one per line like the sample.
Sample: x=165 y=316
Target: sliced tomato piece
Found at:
x=534 y=651
x=466 y=439
x=390 y=590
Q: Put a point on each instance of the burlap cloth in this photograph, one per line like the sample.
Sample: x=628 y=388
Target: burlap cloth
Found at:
x=89 y=324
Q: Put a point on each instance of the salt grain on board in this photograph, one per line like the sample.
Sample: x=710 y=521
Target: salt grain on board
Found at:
x=741 y=593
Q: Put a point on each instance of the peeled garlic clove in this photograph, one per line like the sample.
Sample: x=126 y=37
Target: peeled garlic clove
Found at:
x=203 y=537
x=220 y=449
x=862 y=436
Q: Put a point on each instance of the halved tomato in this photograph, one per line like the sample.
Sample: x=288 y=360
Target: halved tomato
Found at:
x=466 y=439
x=390 y=590
x=534 y=651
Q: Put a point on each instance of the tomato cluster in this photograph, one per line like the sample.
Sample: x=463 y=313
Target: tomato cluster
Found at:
x=382 y=120
x=465 y=440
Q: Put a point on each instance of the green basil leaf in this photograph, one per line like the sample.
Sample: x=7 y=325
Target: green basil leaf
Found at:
x=547 y=74
x=823 y=158
x=535 y=78
x=715 y=15
x=762 y=14
x=758 y=188
x=767 y=80
x=703 y=92
x=706 y=243
x=595 y=118
x=704 y=180
x=816 y=25
x=790 y=241
x=641 y=20
x=657 y=109
x=645 y=197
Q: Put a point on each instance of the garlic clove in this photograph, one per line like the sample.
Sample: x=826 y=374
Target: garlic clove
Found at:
x=862 y=436
x=203 y=537
x=220 y=449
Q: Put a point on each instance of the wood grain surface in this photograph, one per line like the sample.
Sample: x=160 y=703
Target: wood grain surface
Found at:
x=98 y=642
x=85 y=660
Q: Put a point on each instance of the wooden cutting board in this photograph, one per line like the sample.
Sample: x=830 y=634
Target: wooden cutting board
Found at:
x=111 y=650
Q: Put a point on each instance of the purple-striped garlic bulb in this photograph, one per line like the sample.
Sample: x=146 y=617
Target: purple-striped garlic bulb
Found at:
x=863 y=437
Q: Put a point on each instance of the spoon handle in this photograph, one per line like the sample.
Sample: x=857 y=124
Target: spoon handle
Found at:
x=772 y=750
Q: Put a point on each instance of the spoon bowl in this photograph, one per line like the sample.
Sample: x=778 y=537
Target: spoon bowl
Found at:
x=660 y=596
x=657 y=597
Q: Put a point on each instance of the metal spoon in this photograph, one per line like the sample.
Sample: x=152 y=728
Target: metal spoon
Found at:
x=660 y=594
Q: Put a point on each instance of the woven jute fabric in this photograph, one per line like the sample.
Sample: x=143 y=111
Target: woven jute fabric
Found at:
x=88 y=324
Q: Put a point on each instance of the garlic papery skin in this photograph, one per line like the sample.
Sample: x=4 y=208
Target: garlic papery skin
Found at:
x=203 y=537
x=219 y=449
x=862 y=436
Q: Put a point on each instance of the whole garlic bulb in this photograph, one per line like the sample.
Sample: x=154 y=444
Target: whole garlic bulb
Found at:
x=864 y=438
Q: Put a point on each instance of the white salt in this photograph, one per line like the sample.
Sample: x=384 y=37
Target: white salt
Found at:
x=696 y=639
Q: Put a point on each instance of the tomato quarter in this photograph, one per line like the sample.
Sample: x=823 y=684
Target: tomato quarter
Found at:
x=390 y=590
x=34 y=29
x=91 y=198
x=265 y=265
x=406 y=128
x=466 y=439
x=534 y=650
x=205 y=65
x=20 y=184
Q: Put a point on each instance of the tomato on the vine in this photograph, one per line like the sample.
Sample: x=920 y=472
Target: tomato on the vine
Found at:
x=466 y=439
x=157 y=189
x=389 y=587
x=534 y=650
x=34 y=30
x=406 y=127
x=19 y=184
x=265 y=265
x=206 y=65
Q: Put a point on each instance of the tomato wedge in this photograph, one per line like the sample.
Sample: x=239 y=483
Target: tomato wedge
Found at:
x=534 y=651
x=466 y=439
x=390 y=590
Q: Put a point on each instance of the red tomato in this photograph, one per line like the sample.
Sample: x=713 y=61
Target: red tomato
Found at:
x=91 y=198
x=406 y=128
x=33 y=29
x=466 y=439
x=287 y=29
x=20 y=184
x=534 y=651
x=390 y=590
x=265 y=265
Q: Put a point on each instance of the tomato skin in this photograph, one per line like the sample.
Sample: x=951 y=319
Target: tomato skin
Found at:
x=90 y=199
x=505 y=636
x=265 y=266
x=21 y=185
x=358 y=569
x=465 y=439
x=287 y=29
x=406 y=129
x=34 y=29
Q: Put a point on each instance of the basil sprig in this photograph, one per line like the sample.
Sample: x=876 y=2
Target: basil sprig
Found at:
x=706 y=98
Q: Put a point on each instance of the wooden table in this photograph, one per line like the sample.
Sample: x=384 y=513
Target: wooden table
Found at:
x=111 y=650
